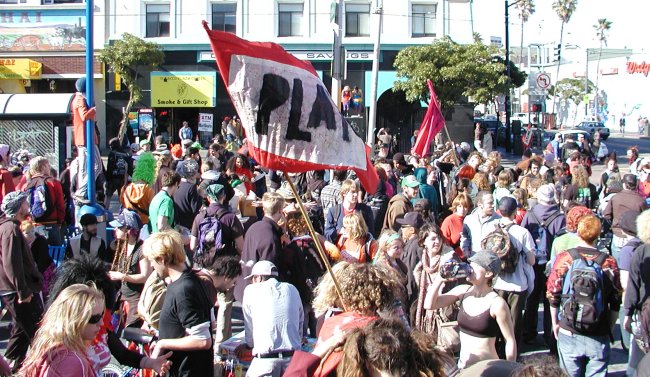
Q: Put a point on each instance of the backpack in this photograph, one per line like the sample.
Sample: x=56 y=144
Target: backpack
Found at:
x=498 y=241
x=210 y=239
x=314 y=267
x=541 y=236
x=40 y=201
x=151 y=300
x=583 y=302
x=117 y=164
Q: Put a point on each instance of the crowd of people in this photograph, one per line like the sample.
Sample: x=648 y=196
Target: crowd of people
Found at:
x=440 y=272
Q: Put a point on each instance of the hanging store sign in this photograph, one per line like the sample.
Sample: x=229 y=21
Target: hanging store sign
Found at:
x=42 y=29
x=205 y=122
x=183 y=89
x=634 y=67
x=20 y=69
x=352 y=56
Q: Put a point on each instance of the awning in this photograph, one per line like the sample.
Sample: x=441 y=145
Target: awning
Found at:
x=20 y=69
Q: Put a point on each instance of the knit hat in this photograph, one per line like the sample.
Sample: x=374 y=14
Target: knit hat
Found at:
x=546 y=194
x=187 y=168
x=12 y=201
x=487 y=260
x=80 y=85
x=214 y=191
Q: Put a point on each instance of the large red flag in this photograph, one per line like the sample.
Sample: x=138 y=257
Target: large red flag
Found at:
x=291 y=122
x=432 y=123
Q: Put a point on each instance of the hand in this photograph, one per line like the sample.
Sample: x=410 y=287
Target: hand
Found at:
x=26 y=300
x=556 y=330
x=241 y=350
x=157 y=350
x=322 y=349
x=627 y=324
x=114 y=275
x=160 y=364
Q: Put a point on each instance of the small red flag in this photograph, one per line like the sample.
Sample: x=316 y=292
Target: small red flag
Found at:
x=432 y=123
x=290 y=120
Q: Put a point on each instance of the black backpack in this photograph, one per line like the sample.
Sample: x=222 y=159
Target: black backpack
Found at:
x=498 y=241
x=118 y=164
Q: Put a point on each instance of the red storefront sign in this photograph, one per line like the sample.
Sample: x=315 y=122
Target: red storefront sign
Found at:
x=643 y=67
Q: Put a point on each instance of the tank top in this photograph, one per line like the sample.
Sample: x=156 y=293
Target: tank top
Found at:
x=480 y=326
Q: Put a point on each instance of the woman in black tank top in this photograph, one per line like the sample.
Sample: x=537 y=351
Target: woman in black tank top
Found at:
x=482 y=315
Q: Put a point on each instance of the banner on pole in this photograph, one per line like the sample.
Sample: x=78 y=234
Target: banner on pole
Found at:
x=290 y=120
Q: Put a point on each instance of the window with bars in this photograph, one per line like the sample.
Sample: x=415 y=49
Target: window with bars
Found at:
x=290 y=17
x=423 y=20
x=224 y=17
x=357 y=20
x=157 y=20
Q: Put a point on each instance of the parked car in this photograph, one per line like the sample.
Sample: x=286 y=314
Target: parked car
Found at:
x=593 y=127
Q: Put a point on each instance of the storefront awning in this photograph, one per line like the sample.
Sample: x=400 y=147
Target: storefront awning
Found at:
x=35 y=106
x=20 y=69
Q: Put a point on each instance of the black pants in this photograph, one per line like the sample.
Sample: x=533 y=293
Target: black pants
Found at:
x=532 y=307
x=25 y=318
x=516 y=302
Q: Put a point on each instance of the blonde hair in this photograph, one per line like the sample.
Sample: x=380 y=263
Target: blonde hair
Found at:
x=358 y=227
x=504 y=179
x=165 y=246
x=386 y=239
x=36 y=165
x=580 y=176
x=481 y=181
x=272 y=203
x=462 y=199
x=643 y=226
x=62 y=325
x=367 y=288
x=347 y=186
x=495 y=158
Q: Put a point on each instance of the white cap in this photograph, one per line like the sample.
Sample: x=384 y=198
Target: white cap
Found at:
x=263 y=268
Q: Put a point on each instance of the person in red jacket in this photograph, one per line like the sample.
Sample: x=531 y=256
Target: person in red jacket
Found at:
x=51 y=222
x=81 y=112
x=6 y=179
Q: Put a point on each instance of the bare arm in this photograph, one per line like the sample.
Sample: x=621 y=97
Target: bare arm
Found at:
x=194 y=243
x=163 y=223
x=435 y=300
x=499 y=310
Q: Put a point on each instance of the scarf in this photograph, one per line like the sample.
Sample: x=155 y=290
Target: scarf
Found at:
x=424 y=319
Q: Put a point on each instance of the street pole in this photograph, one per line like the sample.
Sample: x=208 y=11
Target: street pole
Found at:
x=337 y=69
x=507 y=104
x=586 y=99
x=372 y=116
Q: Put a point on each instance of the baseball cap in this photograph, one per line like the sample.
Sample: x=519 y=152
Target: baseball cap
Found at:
x=263 y=268
x=127 y=218
x=508 y=205
x=487 y=260
x=413 y=219
x=410 y=181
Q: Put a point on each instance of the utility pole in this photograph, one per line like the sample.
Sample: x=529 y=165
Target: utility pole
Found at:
x=507 y=104
x=336 y=16
x=586 y=98
x=372 y=116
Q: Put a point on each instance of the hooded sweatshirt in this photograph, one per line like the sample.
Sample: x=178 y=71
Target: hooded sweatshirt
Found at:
x=427 y=191
x=18 y=271
x=137 y=197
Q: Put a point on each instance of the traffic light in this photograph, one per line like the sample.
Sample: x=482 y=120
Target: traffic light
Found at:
x=535 y=107
x=557 y=51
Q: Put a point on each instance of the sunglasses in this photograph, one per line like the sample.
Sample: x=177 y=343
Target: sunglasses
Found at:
x=95 y=318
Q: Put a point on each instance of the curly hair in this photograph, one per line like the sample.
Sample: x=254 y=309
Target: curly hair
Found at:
x=367 y=289
x=481 y=181
x=589 y=228
x=574 y=215
x=580 y=177
x=388 y=346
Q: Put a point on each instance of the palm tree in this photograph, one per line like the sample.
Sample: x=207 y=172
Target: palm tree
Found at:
x=526 y=8
x=602 y=29
x=564 y=10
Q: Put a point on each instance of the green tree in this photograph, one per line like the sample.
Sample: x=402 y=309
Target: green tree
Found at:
x=564 y=10
x=456 y=70
x=602 y=30
x=570 y=89
x=126 y=57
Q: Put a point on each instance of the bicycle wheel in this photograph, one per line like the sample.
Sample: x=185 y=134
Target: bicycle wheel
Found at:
x=111 y=370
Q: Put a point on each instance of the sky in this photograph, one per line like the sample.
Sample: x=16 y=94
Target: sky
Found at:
x=629 y=23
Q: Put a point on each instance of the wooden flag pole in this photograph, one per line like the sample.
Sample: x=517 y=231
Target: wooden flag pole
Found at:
x=452 y=145
x=314 y=236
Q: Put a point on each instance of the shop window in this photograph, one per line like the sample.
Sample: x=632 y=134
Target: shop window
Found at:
x=290 y=20
x=157 y=20
x=224 y=17
x=13 y=1
x=357 y=20
x=423 y=20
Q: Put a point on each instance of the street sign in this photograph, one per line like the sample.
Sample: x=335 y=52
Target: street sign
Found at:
x=543 y=80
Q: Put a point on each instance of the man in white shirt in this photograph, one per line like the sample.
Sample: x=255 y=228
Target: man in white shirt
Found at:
x=273 y=320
